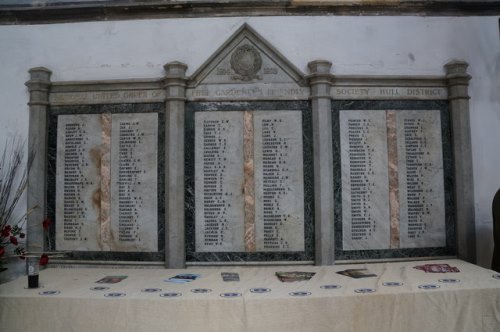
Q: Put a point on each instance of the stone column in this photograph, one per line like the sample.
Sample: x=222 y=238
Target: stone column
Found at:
x=458 y=85
x=320 y=81
x=175 y=86
x=38 y=86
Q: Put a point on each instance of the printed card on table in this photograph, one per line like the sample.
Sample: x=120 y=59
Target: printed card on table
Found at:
x=183 y=278
x=230 y=276
x=111 y=279
x=357 y=273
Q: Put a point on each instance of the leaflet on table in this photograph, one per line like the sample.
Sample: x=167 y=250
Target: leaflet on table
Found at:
x=294 y=276
x=111 y=279
x=357 y=273
x=183 y=278
x=230 y=276
x=437 y=268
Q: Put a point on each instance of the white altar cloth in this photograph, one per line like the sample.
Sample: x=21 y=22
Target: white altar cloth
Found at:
x=400 y=298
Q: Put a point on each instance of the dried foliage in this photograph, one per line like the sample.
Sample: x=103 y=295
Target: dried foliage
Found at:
x=13 y=182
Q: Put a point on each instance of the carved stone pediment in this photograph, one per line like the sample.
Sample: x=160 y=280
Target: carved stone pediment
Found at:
x=247 y=67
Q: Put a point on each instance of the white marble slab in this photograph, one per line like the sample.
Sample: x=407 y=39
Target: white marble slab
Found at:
x=420 y=160
x=134 y=183
x=219 y=199
x=279 y=181
x=78 y=182
x=365 y=192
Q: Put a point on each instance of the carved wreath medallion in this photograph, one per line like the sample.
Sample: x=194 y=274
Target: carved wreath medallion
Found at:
x=246 y=63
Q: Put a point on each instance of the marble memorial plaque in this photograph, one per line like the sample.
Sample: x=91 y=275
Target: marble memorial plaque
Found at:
x=420 y=164
x=279 y=181
x=78 y=182
x=106 y=182
x=134 y=164
x=365 y=188
x=219 y=199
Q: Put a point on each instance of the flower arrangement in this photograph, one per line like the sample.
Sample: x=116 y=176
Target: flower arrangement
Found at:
x=13 y=183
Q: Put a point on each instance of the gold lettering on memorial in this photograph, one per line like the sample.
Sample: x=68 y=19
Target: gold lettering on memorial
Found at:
x=200 y=93
x=239 y=92
x=106 y=96
x=352 y=91
x=428 y=92
x=134 y=94
x=287 y=92
x=389 y=92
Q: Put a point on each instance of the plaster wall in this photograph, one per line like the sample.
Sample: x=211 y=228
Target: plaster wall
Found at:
x=403 y=45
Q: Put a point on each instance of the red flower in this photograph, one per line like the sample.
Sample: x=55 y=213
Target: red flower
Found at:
x=6 y=231
x=44 y=260
x=2 y=251
x=22 y=235
x=13 y=240
x=46 y=224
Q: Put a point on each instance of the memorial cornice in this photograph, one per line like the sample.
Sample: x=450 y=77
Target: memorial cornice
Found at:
x=57 y=11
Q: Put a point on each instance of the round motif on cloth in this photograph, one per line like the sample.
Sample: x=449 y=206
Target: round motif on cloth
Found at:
x=170 y=294
x=428 y=286
x=299 y=293
x=50 y=292
x=449 y=281
x=151 y=290
x=392 y=283
x=201 y=290
x=259 y=290
x=99 y=288
x=330 y=286
x=115 y=295
x=230 y=294
x=364 y=290
x=246 y=63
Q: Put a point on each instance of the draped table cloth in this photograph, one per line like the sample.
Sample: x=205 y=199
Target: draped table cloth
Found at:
x=399 y=298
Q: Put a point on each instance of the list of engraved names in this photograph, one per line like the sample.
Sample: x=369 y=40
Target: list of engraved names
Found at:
x=77 y=182
x=418 y=167
x=365 y=205
x=134 y=167
x=218 y=181
x=274 y=168
x=279 y=181
x=106 y=177
x=421 y=178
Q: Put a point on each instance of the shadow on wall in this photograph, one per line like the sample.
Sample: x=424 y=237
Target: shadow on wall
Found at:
x=15 y=268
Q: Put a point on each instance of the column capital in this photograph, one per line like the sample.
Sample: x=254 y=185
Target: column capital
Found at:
x=457 y=79
x=39 y=85
x=175 y=69
x=320 y=79
x=41 y=74
x=175 y=79
x=319 y=67
x=456 y=67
